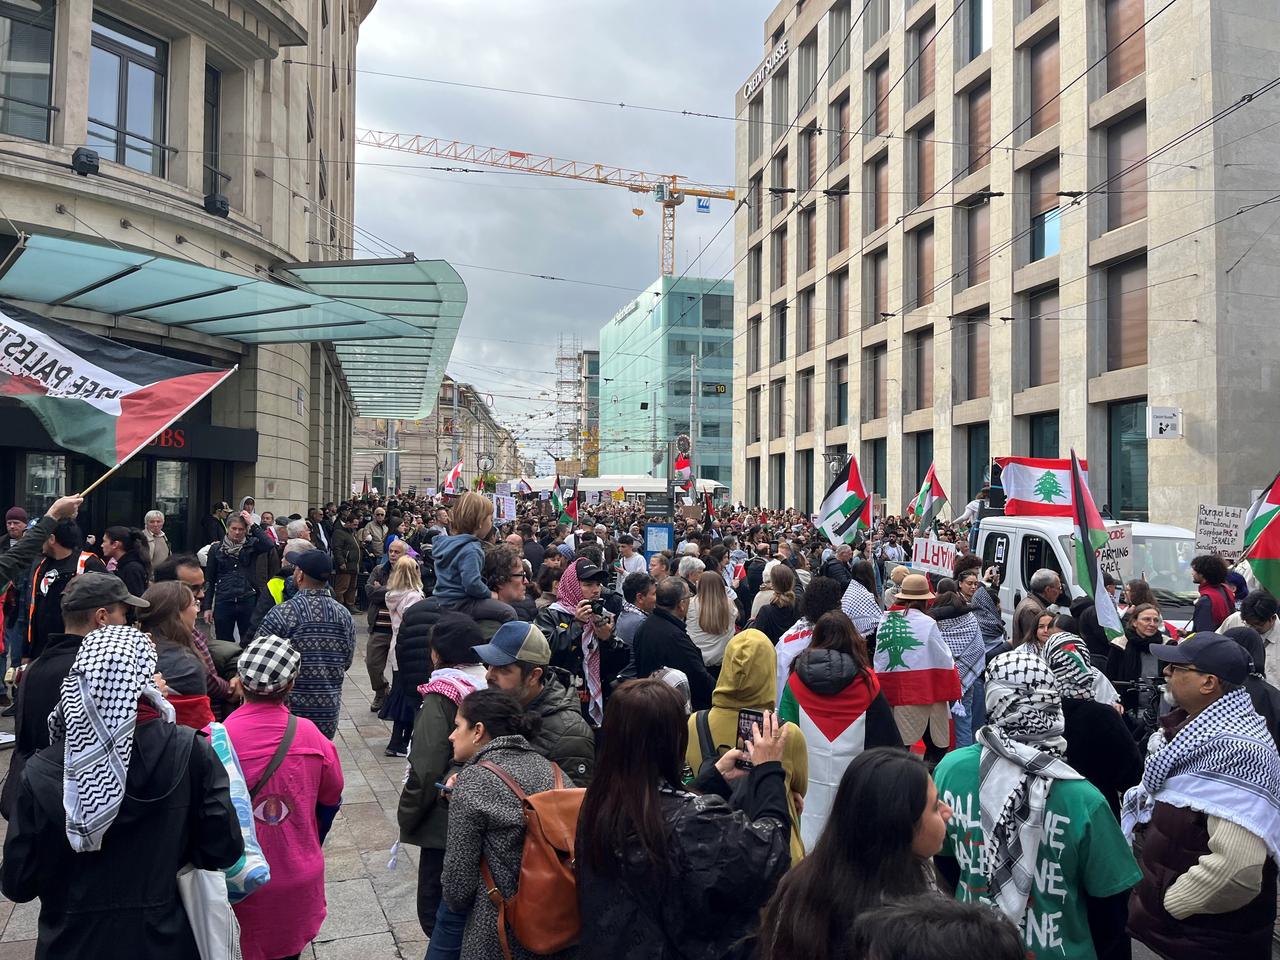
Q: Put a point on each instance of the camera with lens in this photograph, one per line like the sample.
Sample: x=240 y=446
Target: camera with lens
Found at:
x=597 y=606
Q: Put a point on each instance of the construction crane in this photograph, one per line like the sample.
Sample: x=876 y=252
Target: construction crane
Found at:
x=667 y=190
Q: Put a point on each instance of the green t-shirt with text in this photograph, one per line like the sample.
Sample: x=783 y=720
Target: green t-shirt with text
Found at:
x=1083 y=853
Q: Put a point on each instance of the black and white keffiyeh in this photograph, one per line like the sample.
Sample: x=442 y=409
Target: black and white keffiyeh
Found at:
x=861 y=607
x=1068 y=657
x=1222 y=762
x=1022 y=750
x=964 y=640
x=96 y=717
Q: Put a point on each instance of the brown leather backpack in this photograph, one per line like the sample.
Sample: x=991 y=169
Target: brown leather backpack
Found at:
x=543 y=913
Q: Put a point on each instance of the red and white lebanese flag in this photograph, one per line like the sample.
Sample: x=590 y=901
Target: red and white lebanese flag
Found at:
x=913 y=662
x=684 y=472
x=1038 y=487
x=454 y=480
x=93 y=395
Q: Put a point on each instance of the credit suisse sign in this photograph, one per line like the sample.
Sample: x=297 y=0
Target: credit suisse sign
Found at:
x=770 y=62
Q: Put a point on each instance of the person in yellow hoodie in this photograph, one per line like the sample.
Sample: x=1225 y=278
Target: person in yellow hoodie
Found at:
x=748 y=681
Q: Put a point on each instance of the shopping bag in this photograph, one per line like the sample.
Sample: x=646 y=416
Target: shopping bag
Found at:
x=213 y=922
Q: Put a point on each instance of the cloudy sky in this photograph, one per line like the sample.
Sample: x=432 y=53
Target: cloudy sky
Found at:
x=663 y=53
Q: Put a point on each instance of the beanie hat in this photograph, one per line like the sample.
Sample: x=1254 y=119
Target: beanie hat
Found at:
x=16 y=513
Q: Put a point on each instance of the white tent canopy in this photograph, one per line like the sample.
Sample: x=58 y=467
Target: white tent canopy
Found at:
x=631 y=484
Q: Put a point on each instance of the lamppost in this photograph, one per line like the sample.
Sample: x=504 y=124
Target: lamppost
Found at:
x=834 y=461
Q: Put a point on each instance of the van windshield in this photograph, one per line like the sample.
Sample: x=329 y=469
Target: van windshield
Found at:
x=1164 y=562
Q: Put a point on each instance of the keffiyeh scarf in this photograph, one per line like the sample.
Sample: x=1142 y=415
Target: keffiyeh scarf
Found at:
x=1071 y=664
x=861 y=607
x=96 y=717
x=1222 y=762
x=568 y=596
x=964 y=640
x=452 y=683
x=1022 y=750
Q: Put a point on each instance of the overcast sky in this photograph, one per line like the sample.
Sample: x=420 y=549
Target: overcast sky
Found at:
x=663 y=53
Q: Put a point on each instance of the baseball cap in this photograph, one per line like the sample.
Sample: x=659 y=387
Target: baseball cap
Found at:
x=515 y=640
x=89 y=591
x=316 y=564
x=1210 y=653
x=589 y=571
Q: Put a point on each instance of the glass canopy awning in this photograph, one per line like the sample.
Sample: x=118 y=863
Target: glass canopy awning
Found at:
x=392 y=322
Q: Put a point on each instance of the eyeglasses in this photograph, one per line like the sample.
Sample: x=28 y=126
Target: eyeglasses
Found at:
x=521 y=575
x=1183 y=668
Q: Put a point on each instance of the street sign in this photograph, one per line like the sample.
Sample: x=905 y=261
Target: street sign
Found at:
x=722 y=388
x=657 y=505
x=704 y=204
x=1219 y=529
x=1164 y=423
x=658 y=537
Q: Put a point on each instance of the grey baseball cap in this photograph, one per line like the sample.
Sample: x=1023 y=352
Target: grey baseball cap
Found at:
x=89 y=591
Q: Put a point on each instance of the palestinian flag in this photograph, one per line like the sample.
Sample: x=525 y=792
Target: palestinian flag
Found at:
x=525 y=486
x=1261 y=511
x=567 y=511
x=1037 y=487
x=1091 y=537
x=1264 y=555
x=365 y=491
x=710 y=510
x=453 y=481
x=846 y=509
x=95 y=396
x=684 y=472
x=929 y=501
x=913 y=661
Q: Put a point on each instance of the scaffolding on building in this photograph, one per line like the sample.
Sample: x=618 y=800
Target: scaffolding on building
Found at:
x=568 y=445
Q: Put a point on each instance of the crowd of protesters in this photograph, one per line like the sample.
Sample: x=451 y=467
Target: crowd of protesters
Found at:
x=763 y=744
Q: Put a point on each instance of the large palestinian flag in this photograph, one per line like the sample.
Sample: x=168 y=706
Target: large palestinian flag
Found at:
x=846 y=509
x=1091 y=537
x=1261 y=511
x=929 y=501
x=913 y=661
x=95 y=396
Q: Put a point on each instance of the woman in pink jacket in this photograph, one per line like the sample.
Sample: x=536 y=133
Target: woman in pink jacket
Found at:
x=295 y=786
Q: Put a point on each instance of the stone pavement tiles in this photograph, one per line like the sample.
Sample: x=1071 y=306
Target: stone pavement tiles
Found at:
x=372 y=909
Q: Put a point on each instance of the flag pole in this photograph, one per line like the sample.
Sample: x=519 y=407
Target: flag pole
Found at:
x=102 y=479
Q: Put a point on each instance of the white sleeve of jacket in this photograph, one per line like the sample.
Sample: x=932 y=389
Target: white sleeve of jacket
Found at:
x=1225 y=879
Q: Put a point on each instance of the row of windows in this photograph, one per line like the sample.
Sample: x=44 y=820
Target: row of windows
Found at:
x=1126 y=481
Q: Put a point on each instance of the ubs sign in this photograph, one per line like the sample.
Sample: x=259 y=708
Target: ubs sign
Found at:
x=770 y=62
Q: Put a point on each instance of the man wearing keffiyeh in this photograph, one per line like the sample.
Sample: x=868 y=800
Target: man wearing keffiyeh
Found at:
x=122 y=781
x=1028 y=834
x=581 y=639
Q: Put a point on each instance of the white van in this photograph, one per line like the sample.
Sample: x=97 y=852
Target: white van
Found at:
x=1019 y=546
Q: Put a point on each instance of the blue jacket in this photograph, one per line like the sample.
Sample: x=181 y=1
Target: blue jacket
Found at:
x=459 y=560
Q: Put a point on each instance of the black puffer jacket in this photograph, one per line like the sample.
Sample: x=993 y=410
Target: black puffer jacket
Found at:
x=413 y=642
x=836 y=570
x=1265 y=696
x=565 y=737
x=724 y=866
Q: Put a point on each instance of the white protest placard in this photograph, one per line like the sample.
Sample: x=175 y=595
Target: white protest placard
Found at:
x=933 y=556
x=1117 y=556
x=593 y=497
x=431 y=491
x=1219 y=529
x=506 y=508
x=504 y=488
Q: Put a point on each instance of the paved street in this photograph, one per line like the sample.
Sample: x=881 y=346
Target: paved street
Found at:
x=372 y=915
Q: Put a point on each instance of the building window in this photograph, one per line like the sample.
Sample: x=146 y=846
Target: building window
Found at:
x=1045 y=223
x=778 y=182
x=777 y=391
x=877 y=289
x=837 y=306
x=1126 y=171
x=838 y=132
x=755 y=273
x=978 y=237
x=777 y=480
x=1043 y=428
x=976 y=341
x=780 y=94
x=839 y=26
x=924 y=266
x=311 y=117
x=324 y=14
x=1127 y=460
x=807 y=71
x=26 y=68
x=875 y=367
x=127 y=95
x=1045 y=79
x=324 y=178
x=1126 y=41
x=978 y=447
x=925 y=59
x=1042 y=338
x=804 y=481
x=979 y=126
x=212 y=129
x=924 y=455
x=755 y=129
x=1127 y=314
x=804 y=401
x=807 y=248
x=804 y=321
x=877 y=88
x=879 y=183
x=924 y=151
x=980 y=15
x=753 y=415
x=753 y=480
x=837 y=219
x=778 y=333
x=753 y=344
x=778 y=257
x=921 y=346
x=755 y=203
x=838 y=392
x=877 y=19
x=807 y=169
x=877 y=458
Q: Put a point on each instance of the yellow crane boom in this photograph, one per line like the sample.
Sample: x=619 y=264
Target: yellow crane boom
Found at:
x=667 y=189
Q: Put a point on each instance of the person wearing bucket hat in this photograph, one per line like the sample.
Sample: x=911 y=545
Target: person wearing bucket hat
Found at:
x=295 y=782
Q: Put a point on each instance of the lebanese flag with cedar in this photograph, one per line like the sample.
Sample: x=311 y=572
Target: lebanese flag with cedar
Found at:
x=913 y=662
x=93 y=395
x=1038 y=487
